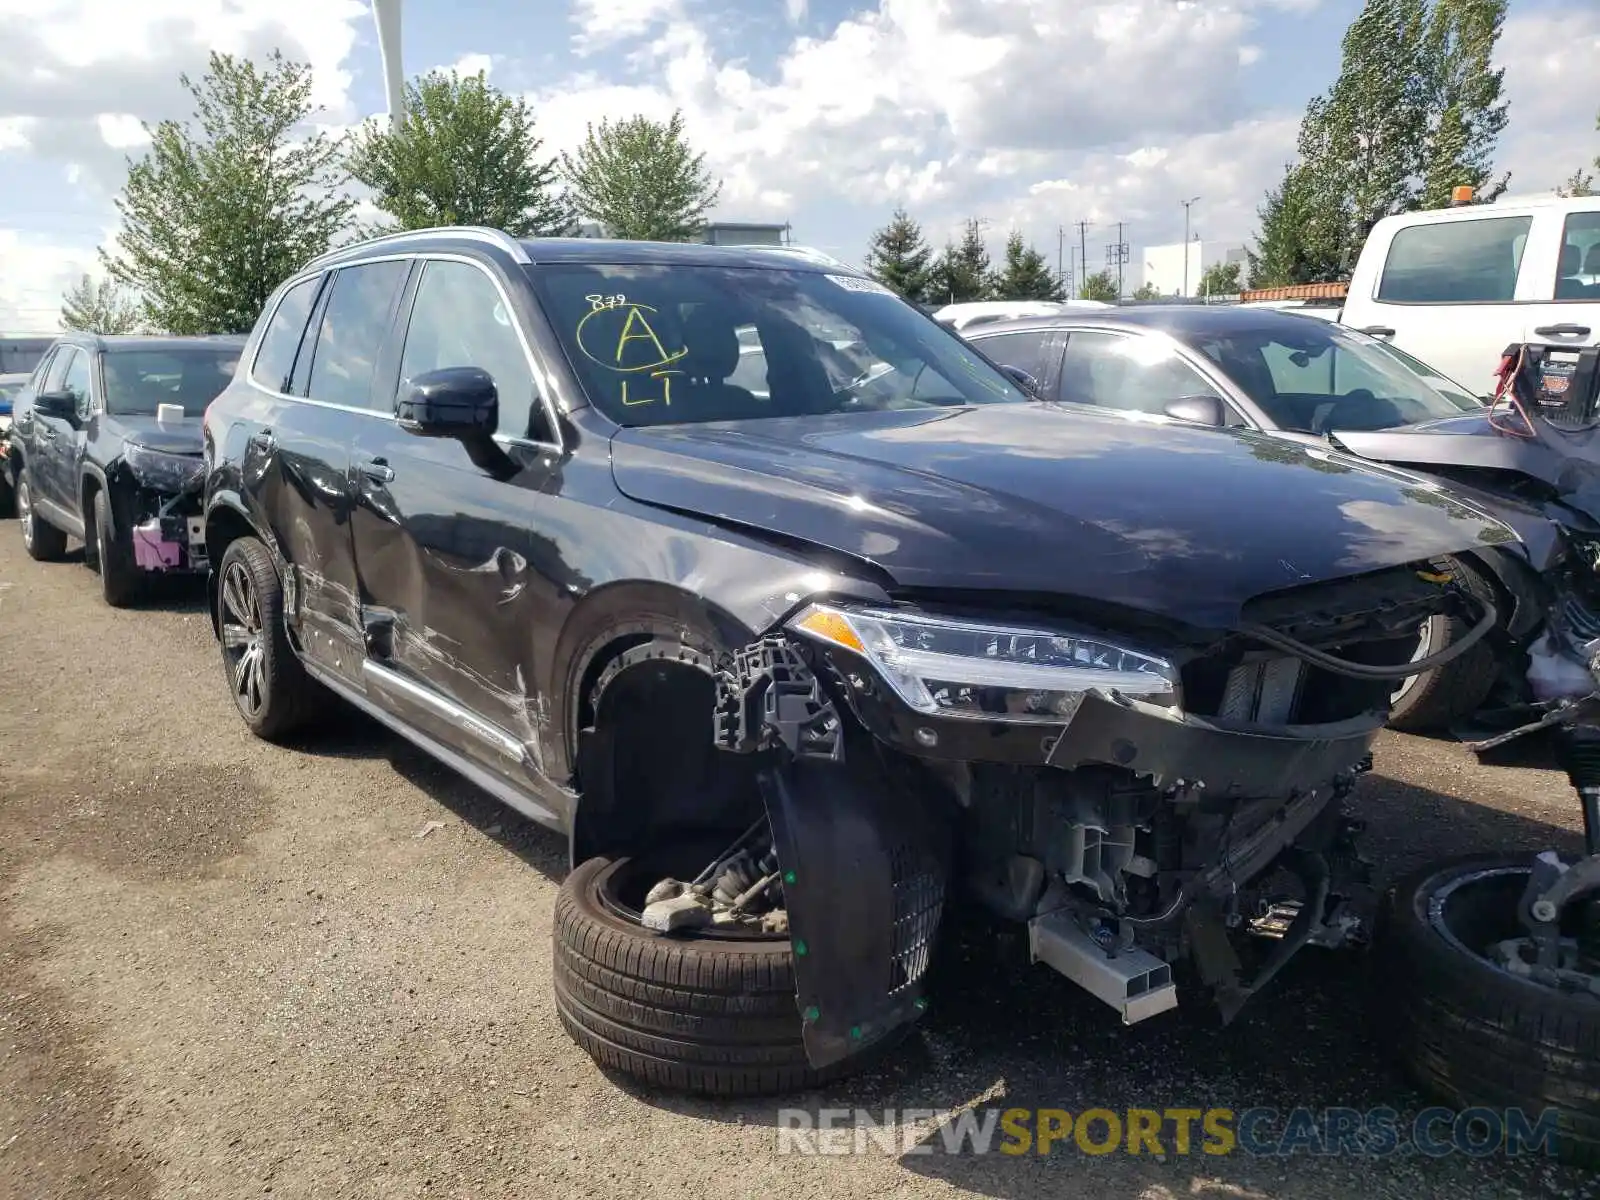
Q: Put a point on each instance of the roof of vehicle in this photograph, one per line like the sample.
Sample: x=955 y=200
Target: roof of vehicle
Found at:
x=1183 y=319
x=590 y=250
x=1500 y=207
x=106 y=344
x=16 y=377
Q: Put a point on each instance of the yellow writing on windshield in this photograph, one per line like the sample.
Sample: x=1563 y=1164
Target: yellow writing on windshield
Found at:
x=643 y=394
x=635 y=337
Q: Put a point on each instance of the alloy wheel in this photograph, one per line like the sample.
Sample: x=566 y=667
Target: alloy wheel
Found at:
x=243 y=646
x=1424 y=648
x=25 y=511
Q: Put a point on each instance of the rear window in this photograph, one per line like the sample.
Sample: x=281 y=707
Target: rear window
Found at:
x=188 y=376
x=275 y=358
x=1578 y=275
x=1455 y=262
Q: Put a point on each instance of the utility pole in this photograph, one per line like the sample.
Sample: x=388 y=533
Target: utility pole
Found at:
x=1083 y=248
x=1116 y=256
x=1061 y=242
x=1187 y=205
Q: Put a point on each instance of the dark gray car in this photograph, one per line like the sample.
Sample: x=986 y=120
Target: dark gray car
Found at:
x=1280 y=372
x=1260 y=368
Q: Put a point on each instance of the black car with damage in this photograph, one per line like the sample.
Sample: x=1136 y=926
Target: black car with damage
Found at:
x=105 y=447
x=794 y=661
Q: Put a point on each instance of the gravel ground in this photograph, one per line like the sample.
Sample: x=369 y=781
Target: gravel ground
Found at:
x=230 y=969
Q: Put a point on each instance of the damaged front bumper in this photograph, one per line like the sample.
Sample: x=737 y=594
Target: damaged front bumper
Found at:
x=868 y=856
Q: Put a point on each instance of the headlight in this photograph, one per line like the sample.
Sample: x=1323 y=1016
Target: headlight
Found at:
x=163 y=472
x=960 y=669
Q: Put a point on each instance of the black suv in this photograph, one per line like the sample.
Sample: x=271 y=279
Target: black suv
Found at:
x=786 y=658
x=105 y=447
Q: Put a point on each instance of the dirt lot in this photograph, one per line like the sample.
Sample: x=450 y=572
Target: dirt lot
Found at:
x=228 y=969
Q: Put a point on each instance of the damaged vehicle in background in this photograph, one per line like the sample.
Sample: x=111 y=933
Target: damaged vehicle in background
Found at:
x=10 y=387
x=790 y=669
x=107 y=450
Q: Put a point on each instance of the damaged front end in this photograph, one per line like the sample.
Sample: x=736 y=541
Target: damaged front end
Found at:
x=1137 y=805
x=157 y=498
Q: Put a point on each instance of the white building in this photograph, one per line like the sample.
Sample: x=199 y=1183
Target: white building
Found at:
x=1164 y=265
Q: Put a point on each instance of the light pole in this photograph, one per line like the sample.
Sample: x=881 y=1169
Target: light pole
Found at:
x=1187 y=205
x=387 y=14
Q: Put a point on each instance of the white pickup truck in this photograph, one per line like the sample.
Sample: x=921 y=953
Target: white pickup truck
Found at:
x=1455 y=286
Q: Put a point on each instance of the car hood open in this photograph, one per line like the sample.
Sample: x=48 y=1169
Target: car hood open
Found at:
x=1183 y=523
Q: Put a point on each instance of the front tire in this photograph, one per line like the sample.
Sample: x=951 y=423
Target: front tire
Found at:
x=42 y=541
x=120 y=579
x=708 y=1012
x=1434 y=700
x=1470 y=1031
x=269 y=684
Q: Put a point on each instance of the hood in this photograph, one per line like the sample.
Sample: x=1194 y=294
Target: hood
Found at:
x=1177 y=521
x=172 y=437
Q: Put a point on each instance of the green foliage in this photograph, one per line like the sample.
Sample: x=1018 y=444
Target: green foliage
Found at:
x=962 y=272
x=1298 y=243
x=1579 y=183
x=1467 y=112
x=640 y=179
x=1102 y=285
x=900 y=258
x=1147 y=291
x=1221 y=279
x=464 y=154
x=1025 y=275
x=213 y=220
x=99 y=306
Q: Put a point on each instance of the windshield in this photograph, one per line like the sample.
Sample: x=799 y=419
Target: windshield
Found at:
x=188 y=376
x=655 y=345
x=1318 y=377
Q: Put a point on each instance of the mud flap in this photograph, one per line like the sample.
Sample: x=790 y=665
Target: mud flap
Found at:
x=864 y=858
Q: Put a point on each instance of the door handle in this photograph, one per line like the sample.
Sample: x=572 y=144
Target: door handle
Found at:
x=1377 y=330
x=1563 y=330
x=377 y=470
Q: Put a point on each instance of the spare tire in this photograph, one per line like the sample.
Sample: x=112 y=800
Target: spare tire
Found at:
x=1467 y=1029
x=710 y=1011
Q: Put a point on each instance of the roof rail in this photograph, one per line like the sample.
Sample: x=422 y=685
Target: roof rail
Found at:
x=473 y=233
x=816 y=256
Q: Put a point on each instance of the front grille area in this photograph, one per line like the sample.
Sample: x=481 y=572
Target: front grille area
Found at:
x=918 y=903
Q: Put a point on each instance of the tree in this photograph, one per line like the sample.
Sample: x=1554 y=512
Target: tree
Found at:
x=465 y=154
x=1363 y=144
x=962 y=272
x=214 y=220
x=1220 y=279
x=1102 y=285
x=1025 y=275
x=1467 y=113
x=900 y=258
x=1580 y=182
x=1147 y=291
x=99 y=306
x=640 y=179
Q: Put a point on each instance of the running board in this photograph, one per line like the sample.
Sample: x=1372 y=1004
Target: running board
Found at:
x=453 y=759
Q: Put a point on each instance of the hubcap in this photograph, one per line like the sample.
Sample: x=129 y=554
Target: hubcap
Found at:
x=25 y=511
x=241 y=640
x=1424 y=648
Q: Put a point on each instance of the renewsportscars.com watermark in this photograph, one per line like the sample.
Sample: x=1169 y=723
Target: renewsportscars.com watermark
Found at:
x=1260 y=1132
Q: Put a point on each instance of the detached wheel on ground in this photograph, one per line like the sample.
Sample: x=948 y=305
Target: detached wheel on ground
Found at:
x=1470 y=1030
x=121 y=581
x=269 y=685
x=1436 y=699
x=43 y=541
x=709 y=1012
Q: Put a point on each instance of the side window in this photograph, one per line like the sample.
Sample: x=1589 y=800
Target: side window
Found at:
x=58 y=369
x=76 y=382
x=36 y=381
x=1578 y=275
x=459 y=320
x=1024 y=350
x=275 y=357
x=1454 y=262
x=354 y=324
x=1114 y=370
x=751 y=373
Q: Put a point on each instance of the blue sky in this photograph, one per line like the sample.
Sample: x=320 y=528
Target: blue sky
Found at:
x=1030 y=114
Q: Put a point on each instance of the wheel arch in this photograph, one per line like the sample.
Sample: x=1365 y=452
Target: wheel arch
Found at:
x=226 y=523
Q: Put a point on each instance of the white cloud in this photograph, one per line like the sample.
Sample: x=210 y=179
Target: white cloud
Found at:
x=473 y=64
x=1550 y=60
x=36 y=275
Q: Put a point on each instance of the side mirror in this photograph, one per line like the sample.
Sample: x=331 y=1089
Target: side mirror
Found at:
x=1202 y=410
x=1022 y=379
x=63 y=405
x=455 y=402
